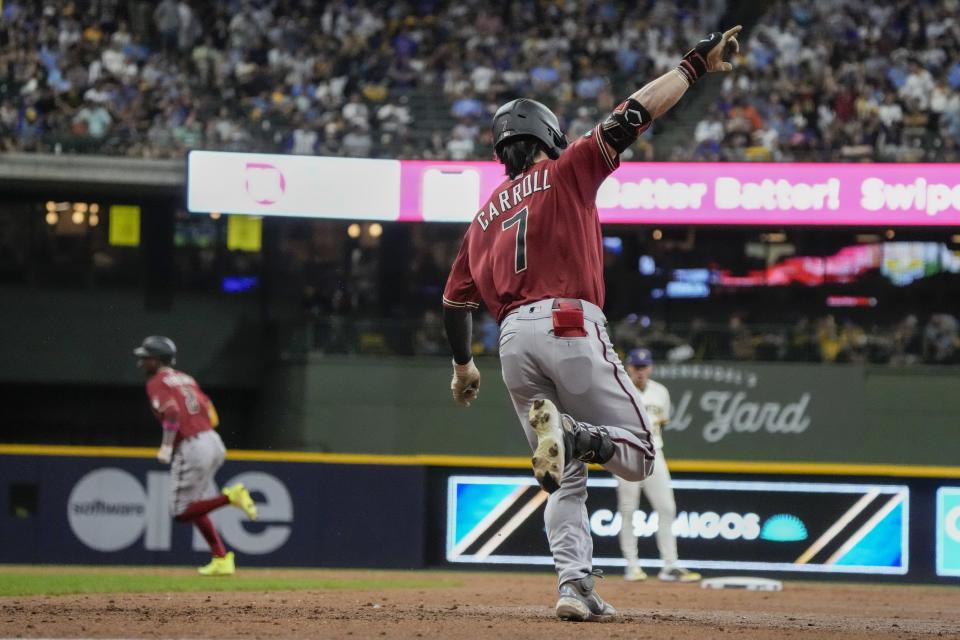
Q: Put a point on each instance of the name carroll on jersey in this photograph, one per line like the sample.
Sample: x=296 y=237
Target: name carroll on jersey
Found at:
x=513 y=196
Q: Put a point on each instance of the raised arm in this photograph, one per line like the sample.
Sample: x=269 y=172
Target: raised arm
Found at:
x=635 y=114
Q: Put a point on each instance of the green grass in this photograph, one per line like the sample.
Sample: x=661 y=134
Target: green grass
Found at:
x=65 y=582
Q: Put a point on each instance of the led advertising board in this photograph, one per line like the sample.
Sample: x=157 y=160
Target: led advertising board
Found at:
x=637 y=193
x=734 y=525
x=948 y=531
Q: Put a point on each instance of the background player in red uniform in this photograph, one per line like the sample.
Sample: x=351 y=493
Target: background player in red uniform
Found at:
x=192 y=446
x=533 y=254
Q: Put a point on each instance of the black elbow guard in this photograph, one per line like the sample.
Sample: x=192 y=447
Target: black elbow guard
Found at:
x=622 y=128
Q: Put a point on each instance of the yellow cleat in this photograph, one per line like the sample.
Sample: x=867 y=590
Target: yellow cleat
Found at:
x=219 y=566
x=240 y=498
x=634 y=573
x=678 y=574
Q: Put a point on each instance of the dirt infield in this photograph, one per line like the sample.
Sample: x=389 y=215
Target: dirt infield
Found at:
x=485 y=605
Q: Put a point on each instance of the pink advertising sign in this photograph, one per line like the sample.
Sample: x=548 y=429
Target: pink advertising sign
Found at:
x=720 y=193
x=637 y=193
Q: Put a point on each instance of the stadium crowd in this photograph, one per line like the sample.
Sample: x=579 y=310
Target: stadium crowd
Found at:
x=821 y=339
x=399 y=79
x=841 y=80
x=846 y=80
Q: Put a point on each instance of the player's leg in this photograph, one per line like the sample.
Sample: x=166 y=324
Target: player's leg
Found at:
x=202 y=507
x=593 y=388
x=222 y=562
x=236 y=494
x=658 y=490
x=202 y=457
x=193 y=495
x=565 y=516
x=186 y=478
x=209 y=532
x=628 y=500
x=210 y=456
x=568 y=529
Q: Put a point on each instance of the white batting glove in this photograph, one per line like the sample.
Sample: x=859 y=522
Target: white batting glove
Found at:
x=465 y=383
x=165 y=453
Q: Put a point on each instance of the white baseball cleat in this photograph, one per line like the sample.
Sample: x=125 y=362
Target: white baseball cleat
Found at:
x=634 y=573
x=548 y=458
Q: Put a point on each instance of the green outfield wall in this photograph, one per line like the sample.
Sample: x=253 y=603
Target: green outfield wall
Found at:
x=723 y=411
x=67 y=376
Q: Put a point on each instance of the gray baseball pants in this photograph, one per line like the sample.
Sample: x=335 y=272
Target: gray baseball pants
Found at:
x=192 y=470
x=585 y=379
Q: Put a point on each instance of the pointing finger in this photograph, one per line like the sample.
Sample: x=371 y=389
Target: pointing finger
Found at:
x=730 y=33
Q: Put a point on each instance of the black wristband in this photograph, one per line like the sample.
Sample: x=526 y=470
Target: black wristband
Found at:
x=694 y=63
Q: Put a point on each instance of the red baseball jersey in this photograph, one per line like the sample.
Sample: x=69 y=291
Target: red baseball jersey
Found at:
x=177 y=399
x=538 y=236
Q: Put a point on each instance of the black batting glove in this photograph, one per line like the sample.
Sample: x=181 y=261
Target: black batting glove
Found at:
x=707 y=55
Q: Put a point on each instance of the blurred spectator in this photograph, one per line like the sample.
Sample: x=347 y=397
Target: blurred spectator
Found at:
x=853 y=344
x=828 y=338
x=460 y=146
x=357 y=143
x=742 y=344
x=802 y=346
x=907 y=343
x=93 y=120
x=166 y=17
x=430 y=338
x=710 y=129
x=356 y=113
x=918 y=86
x=940 y=339
x=304 y=140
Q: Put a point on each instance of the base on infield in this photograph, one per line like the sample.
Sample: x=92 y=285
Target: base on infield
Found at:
x=742 y=582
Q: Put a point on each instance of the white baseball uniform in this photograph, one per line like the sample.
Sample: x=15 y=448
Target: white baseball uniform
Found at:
x=656 y=400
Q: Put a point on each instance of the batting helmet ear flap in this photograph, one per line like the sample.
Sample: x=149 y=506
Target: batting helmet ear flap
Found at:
x=525 y=117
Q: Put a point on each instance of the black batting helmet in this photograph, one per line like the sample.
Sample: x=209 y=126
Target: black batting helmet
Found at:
x=525 y=117
x=159 y=347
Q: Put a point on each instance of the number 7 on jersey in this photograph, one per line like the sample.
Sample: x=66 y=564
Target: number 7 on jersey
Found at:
x=519 y=220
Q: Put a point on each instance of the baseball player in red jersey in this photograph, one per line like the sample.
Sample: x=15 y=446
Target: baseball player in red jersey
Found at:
x=533 y=254
x=192 y=447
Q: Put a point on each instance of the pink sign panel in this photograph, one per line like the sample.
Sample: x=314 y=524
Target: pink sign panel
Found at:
x=778 y=194
x=716 y=193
